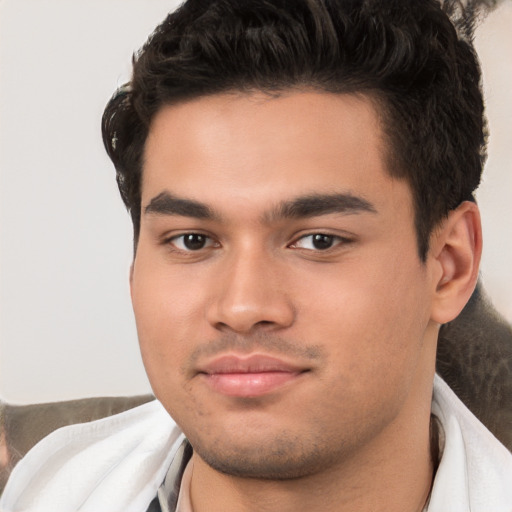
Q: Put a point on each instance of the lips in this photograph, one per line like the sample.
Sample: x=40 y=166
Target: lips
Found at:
x=249 y=376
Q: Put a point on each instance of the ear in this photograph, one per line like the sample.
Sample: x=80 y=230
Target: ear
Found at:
x=456 y=248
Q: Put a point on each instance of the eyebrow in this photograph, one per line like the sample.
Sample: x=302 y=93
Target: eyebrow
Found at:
x=312 y=205
x=321 y=204
x=167 y=204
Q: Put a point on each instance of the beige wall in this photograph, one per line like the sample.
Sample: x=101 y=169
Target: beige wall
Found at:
x=494 y=45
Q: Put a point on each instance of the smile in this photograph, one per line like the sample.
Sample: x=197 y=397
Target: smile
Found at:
x=251 y=376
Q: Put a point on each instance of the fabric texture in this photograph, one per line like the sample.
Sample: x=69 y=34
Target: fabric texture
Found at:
x=475 y=471
x=113 y=464
x=184 y=504
x=121 y=463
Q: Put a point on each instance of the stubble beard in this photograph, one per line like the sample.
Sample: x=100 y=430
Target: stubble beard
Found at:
x=284 y=460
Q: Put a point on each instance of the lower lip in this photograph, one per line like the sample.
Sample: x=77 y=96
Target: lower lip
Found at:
x=249 y=384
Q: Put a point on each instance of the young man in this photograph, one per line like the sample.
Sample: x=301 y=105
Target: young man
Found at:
x=300 y=179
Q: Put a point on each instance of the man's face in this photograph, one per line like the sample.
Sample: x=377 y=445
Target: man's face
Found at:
x=282 y=309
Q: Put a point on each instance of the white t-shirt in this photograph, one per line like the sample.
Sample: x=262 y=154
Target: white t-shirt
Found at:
x=117 y=464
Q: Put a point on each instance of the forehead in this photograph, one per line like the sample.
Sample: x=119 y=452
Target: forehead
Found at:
x=241 y=147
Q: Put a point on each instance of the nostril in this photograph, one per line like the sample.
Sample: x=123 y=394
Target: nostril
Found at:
x=247 y=328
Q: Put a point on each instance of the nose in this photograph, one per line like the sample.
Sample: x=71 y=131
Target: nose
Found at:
x=250 y=295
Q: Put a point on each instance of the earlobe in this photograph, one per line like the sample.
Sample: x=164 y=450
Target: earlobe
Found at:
x=456 y=249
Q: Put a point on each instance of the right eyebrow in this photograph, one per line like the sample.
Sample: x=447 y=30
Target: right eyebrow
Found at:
x=167 y=204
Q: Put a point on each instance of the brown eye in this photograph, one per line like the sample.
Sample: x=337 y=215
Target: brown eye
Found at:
x=321 y=241
x=194 y=241
x=318 y=242
x=191 y=242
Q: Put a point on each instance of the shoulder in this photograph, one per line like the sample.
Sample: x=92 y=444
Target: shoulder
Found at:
x=475 y=472
x=116 y=463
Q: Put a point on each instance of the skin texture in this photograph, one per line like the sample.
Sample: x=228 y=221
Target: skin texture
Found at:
x=358 y=321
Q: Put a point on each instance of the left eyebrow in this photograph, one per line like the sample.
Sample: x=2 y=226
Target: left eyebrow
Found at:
x=320 y=204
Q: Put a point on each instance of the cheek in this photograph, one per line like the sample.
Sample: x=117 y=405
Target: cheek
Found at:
x=369 y=311
x=164 y=301
x=166 y=313
x=375 y=341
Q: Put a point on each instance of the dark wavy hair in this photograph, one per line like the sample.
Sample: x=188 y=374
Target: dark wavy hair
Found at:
x=404 y=54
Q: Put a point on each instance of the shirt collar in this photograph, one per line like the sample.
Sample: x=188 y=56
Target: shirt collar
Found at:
x=169 y=491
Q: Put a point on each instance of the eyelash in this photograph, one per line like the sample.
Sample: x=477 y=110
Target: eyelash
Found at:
x=172 y=242
x=336 y=241
x=211 y=243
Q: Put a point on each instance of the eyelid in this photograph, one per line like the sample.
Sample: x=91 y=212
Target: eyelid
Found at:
x=171 y=241
x=339 y=240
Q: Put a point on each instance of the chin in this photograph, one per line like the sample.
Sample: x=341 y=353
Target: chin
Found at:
x=280 y=458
